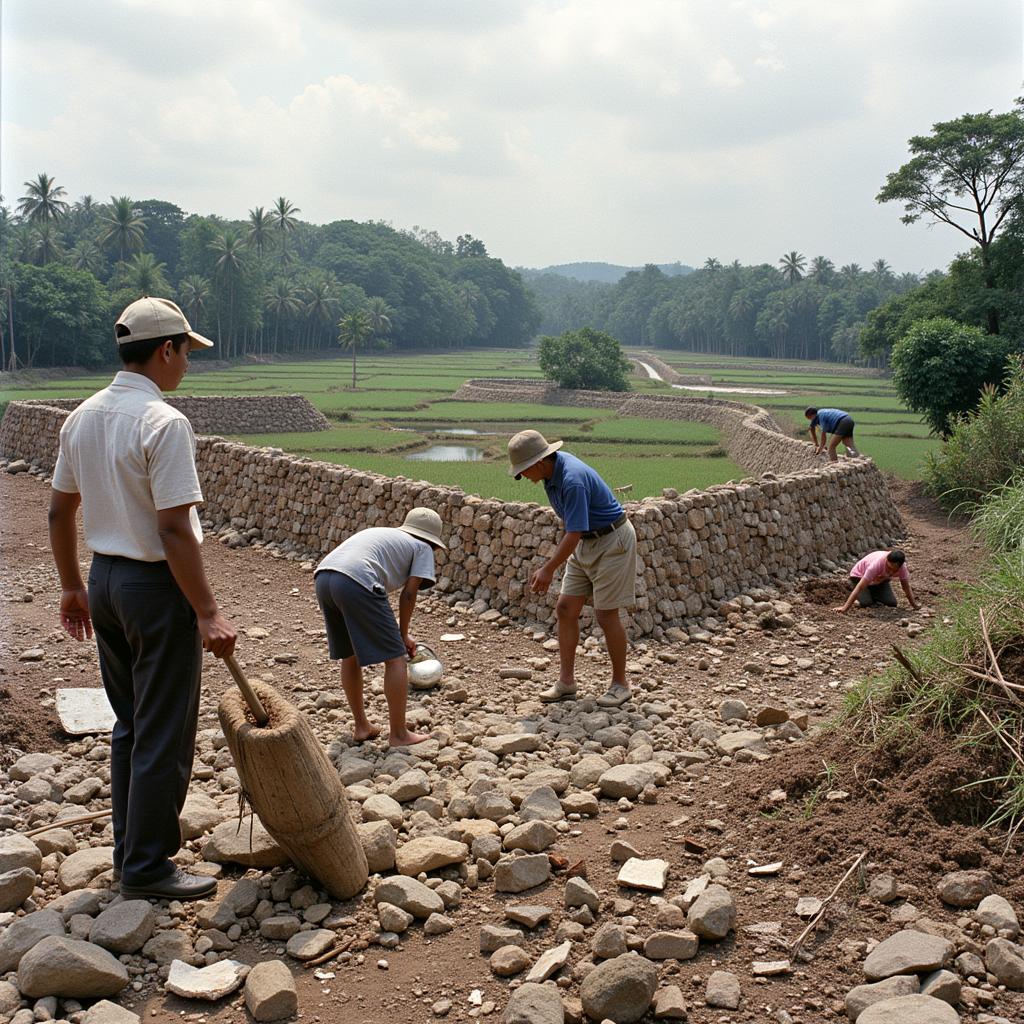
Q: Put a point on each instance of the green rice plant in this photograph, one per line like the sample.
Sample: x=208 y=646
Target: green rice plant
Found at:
x=630 y=429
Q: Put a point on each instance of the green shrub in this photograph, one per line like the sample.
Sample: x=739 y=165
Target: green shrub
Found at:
x=586 y=358
x=940 y=368
x=985 y=448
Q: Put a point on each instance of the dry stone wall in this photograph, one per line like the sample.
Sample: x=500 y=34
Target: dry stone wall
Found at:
x=751 y=437
x=27 y=427
x=695 y=549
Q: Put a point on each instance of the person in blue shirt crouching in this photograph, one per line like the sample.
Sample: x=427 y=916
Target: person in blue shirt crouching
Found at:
x=835 y=422
x=598 y=549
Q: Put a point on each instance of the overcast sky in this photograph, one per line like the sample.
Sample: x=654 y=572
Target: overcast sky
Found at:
x=554 y=130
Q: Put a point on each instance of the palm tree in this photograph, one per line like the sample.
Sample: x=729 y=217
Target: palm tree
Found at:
x=851 y=272
x=283 y=300
x=194 y=292
x=146 y=276
x=47 y=246
x=353 y=331
x=882 y=271
x=712 y=264
x=230 y=251
x=259 y=229
x=86 y=255
x=822 y=269
x=283 y=217
x=792 y=264
x=84 y=213
x=43 y=200
x=124 y=228
x=378 y=312
x=321 y=300
x=24 y=247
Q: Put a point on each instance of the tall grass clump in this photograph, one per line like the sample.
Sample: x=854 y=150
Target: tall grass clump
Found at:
x=999 y=520
x=985 y=448
x=967 y=680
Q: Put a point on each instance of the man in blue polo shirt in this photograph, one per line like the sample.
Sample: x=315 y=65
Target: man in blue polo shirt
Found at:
x=598 y=550
x=835 y=422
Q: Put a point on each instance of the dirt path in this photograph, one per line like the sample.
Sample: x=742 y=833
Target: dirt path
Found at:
x=721 y=809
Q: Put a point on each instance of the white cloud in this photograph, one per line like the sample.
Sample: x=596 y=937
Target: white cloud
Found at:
x=552 y=129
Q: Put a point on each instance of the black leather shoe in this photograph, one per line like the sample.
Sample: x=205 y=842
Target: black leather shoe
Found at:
x=178 y=886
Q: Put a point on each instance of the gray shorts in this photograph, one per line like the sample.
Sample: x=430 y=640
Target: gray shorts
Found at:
x=358 y=621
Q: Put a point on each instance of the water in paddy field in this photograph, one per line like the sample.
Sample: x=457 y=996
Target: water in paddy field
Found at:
x=728 y=391
x=448 y=453
x=460 y=431
x=653 y=374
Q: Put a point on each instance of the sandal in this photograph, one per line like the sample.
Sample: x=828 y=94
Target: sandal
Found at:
x=558 y=692
x=616 y=695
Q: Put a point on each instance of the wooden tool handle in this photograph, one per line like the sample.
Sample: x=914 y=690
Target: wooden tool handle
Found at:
x=255 y=704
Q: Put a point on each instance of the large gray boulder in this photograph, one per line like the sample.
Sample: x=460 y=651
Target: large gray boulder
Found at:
x=379 y=840
x=535 y=1004
x=409 y=894
x=15 y=887
x=78 y=870
x=712 y=914
x=70 y=969
x=270 y=992
x=860 y=998
x=230 y=845
x=18 y=852
x=428 y=853
x=965 y=888
x=125 y=927
x=517 y=874
x=22 y=934
x=907 y=952
x=625 y=780
x=620 y=989
x=1005 y=960
x=910 y=1010
x=999 y=913
x=199 y=816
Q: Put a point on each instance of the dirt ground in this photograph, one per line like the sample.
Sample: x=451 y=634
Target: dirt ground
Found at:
x=899 y=807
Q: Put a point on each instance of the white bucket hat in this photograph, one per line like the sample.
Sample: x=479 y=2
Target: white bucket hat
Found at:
x=425 y=524
x=526 y=448
x=149 y=318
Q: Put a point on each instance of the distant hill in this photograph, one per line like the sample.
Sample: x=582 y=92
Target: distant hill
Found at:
x=606 y=273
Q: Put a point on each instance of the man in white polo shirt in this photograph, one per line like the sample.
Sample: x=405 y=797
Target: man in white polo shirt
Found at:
x=128 y=459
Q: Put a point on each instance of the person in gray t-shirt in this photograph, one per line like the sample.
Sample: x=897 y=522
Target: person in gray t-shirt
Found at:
x=352 y=586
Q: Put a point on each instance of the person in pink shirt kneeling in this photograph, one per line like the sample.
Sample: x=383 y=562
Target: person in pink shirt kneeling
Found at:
x=870 y=580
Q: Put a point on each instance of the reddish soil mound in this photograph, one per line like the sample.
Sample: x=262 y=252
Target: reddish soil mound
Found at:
x=915 y=804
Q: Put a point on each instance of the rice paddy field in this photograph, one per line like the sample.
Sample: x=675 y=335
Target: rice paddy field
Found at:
x=402 y=421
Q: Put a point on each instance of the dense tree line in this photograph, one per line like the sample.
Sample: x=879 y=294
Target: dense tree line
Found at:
x=270 y=284
x=798 y=310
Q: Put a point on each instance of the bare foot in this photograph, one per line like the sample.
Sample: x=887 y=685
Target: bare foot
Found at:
x=407 y=738
x=367 y=732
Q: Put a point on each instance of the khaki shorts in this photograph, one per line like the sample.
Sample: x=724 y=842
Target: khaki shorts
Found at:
x=605 y=569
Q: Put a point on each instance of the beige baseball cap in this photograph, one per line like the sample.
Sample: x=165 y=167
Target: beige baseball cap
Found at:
x=425 y=524
x=149 y=318
x=526 y=448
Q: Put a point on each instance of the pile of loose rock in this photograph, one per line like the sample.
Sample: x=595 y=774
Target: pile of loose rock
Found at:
x=920 y=974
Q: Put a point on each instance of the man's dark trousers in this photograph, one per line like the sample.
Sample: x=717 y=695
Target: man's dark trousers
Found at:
x=150 y=661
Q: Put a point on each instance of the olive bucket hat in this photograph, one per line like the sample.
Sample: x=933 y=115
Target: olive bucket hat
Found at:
x=526 y=448
x=425 y=524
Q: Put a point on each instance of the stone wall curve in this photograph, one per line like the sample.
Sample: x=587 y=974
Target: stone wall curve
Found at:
x=695 y=549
